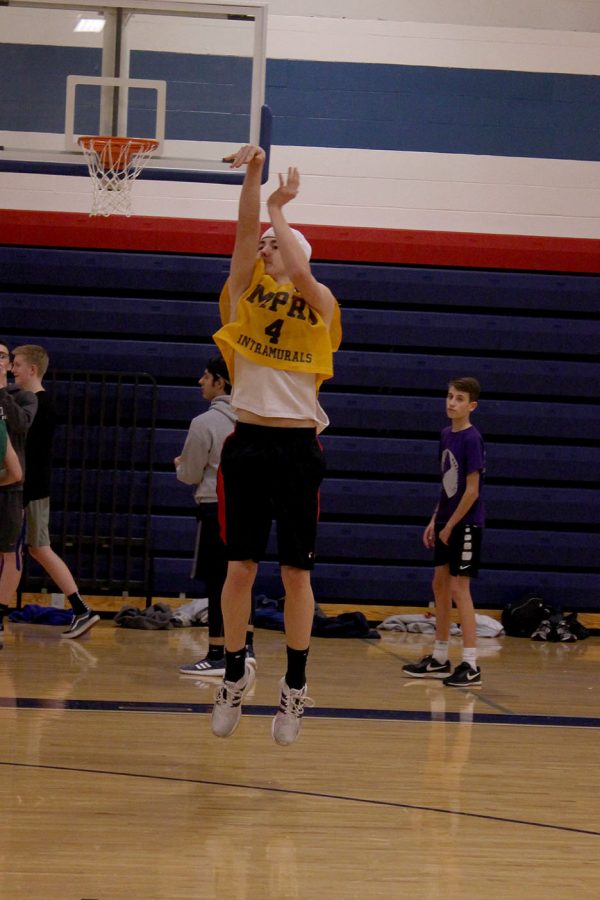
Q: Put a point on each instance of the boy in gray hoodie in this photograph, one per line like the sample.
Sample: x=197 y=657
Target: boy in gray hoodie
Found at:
x=198 y=465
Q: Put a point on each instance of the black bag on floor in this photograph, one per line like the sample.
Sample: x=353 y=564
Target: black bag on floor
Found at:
x=559 y=629
x=522 y=618
x=576 y=627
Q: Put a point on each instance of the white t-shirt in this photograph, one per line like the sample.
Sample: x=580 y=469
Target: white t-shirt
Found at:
x=276 y=393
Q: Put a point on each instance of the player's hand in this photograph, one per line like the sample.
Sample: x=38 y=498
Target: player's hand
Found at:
x=177 y=460
x=444 y=534
x=287 y=190
x=245 y=156
x=429 y=536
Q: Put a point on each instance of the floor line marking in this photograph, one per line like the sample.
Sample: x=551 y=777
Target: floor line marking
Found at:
x=397 y=715
x=390 y=804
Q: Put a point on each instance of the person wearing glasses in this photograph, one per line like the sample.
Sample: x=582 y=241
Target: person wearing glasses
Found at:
x=17 y=409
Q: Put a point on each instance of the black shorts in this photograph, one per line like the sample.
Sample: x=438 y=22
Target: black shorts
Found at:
x=270 y=474
x=210 y=558
x=11 y=520
x=462 y=553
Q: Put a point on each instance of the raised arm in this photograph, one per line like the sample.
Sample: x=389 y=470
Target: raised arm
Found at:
x=248 y=224
x=296 y=264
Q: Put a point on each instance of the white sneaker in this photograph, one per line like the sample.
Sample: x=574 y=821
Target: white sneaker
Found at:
x=227 y=710
x=287 y=720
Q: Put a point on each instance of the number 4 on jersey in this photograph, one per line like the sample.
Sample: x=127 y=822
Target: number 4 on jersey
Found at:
x=274 y=331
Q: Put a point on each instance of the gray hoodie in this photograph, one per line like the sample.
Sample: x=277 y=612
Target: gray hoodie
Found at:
x=18 y=408
x=201 y=452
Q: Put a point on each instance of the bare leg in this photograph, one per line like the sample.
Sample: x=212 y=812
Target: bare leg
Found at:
x=58 y=570
x=10 y=578
x=236 y=602
x=461 y=593
x=442 y=591
x=299 y=607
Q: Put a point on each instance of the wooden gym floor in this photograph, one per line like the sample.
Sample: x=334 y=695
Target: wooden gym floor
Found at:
x=112 y=785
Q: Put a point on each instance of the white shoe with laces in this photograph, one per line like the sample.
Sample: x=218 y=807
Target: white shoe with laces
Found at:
x=287 y=720
x=227 y=710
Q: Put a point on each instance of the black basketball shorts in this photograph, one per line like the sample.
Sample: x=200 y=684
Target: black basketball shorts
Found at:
x=463 y=551
x=11 y=520
x=270 y=474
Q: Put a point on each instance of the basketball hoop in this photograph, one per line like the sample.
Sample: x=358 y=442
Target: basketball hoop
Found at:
x=114 y=163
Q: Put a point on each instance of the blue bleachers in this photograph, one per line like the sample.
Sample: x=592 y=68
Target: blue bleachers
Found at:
x=531 y=339
x=384 y=285
x=392 y=585
x=362 y=327
x=168 y=359
x=345 y=499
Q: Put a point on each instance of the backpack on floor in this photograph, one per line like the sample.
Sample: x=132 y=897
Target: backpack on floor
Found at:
x=523 y=617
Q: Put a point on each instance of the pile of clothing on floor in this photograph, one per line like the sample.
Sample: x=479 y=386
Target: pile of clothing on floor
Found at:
x=425 y=624
x=31 y=613
x=161 y=616
x=269 y=614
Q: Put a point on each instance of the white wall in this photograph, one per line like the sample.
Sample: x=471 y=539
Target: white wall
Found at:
x=389 y=189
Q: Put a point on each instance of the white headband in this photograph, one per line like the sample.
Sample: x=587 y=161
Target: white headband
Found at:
x=299 y=237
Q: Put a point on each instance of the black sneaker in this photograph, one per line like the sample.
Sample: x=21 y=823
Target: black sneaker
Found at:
x=81 y=624
x=205 y=667
x=464 y=675
x=428 y=667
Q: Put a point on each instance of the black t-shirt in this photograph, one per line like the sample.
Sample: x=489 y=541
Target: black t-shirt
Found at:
x=38 y=450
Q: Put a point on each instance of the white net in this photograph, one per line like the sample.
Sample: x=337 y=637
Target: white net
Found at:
x=114 y=164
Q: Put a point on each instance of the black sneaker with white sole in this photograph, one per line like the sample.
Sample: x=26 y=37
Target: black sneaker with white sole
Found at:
x=81 y=624
x=464 y=675
x=214 y=668
x=428 y=667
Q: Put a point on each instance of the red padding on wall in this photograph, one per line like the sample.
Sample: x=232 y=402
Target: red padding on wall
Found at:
x=369 y=245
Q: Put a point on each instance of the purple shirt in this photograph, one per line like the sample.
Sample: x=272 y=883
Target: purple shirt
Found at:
x=461 y=453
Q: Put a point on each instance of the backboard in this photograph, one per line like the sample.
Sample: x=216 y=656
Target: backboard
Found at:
x=190 y=74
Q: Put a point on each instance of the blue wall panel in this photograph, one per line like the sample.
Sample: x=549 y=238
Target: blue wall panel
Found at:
x=329 y=104
x=34 y=79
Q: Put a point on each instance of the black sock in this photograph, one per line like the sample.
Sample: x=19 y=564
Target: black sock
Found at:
x=296 y=671
x=216 y=651
x=250 y=639
x=235 y=664
x=79 y=606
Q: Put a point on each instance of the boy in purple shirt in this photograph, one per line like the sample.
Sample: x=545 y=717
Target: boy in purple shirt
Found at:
x=454 y=534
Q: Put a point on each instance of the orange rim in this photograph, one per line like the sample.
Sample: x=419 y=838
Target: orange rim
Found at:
x=116 y=152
